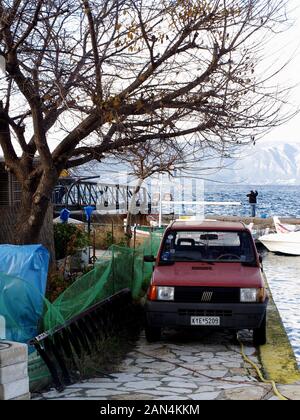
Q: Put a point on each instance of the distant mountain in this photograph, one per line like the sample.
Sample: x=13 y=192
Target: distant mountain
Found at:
x=264 y=164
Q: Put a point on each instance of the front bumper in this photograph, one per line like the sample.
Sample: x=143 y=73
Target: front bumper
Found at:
x=232 y=315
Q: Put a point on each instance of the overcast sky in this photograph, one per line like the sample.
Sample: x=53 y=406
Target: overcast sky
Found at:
x=288 y=47
x=283 y=48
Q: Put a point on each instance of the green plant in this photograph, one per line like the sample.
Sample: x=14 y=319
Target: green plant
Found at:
x=68 y=238
x=57 y=283
x=108 y=240
x=117 y=239
x=106 y=235
x=122 y=242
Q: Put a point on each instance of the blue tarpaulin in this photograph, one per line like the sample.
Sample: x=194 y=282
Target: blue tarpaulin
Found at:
x=23 y=279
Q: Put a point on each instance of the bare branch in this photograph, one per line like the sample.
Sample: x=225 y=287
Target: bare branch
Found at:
x=92 y=77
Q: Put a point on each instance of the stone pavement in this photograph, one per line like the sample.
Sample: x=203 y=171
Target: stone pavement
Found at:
x=180 y=367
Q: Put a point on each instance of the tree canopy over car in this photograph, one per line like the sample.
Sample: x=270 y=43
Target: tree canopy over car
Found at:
x=86 y=78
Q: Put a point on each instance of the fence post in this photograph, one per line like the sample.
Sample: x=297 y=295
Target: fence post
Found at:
x=134 y=237
x=94 y=247
x=113 y=255
x=133 y=257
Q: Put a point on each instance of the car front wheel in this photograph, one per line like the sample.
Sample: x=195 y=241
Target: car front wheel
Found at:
x=260 y=334
x=152 y=334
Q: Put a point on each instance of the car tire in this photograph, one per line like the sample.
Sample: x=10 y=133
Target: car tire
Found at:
x=153 y=334
x=260 y=334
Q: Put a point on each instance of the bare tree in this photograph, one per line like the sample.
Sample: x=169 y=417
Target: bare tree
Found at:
x=87 y=77
x=145 y=160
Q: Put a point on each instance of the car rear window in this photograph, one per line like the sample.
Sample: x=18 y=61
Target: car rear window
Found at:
x=218 y=246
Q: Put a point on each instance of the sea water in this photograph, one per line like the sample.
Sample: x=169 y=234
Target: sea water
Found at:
x=283 y=274
x=272 y=200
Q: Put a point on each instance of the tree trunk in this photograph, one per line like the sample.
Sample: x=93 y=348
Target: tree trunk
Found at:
x=33 y=209
x=8 y=234
x=30 y=219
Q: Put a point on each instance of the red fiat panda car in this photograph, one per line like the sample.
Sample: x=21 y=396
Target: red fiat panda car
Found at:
x=207 y=274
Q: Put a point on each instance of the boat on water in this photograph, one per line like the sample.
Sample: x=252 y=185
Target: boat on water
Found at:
x=286 y=240
x=284 y=227
x=283 y=243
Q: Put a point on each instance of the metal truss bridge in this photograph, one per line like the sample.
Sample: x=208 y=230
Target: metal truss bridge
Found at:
x=74 y=194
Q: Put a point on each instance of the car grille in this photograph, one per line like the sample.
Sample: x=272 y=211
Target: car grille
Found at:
x=203 y=312
x=190 y=294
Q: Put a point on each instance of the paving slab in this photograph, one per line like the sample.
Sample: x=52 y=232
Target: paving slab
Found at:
x=198 y=369
x=247 y=393
x=291 y=392
x=204 y=396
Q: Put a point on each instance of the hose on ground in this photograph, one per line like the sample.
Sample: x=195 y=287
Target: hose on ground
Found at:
x=260 y=375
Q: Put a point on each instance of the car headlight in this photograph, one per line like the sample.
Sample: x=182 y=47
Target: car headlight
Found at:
x=248 y=295
x=165 y=293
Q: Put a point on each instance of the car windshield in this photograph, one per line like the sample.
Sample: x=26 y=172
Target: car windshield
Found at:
x=218 y=246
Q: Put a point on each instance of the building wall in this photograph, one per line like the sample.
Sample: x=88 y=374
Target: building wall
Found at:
x=4 y=189
x=9 y=199
x=9 y=188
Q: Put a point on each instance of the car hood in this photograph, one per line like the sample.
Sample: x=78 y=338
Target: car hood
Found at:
x=203 y=274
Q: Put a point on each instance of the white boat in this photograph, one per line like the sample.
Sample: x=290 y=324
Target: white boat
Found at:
x=284 y=227
x=283 y=243
x=256 y=233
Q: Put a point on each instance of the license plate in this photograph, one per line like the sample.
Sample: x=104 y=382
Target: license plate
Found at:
x=206 y=321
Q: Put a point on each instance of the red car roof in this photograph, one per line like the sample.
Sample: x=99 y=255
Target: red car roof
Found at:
x=206 y=225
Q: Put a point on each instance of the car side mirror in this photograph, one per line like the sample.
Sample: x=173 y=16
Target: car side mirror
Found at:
x=149 y=258
x=260 y=258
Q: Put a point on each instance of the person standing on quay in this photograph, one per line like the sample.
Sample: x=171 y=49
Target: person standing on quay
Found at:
x=252 y=200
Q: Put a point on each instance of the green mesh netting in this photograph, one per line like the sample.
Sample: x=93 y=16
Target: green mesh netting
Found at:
x=118 y=268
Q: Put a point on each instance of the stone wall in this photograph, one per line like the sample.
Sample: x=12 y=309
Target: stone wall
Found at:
x=14 y=381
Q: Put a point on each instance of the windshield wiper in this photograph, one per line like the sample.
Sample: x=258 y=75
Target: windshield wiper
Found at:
x=196 y=261
x=170 y=262
x=183 y=259
x=207 y=262
x=186 y=259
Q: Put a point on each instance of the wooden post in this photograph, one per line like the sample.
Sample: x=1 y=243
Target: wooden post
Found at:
x=94 y=247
